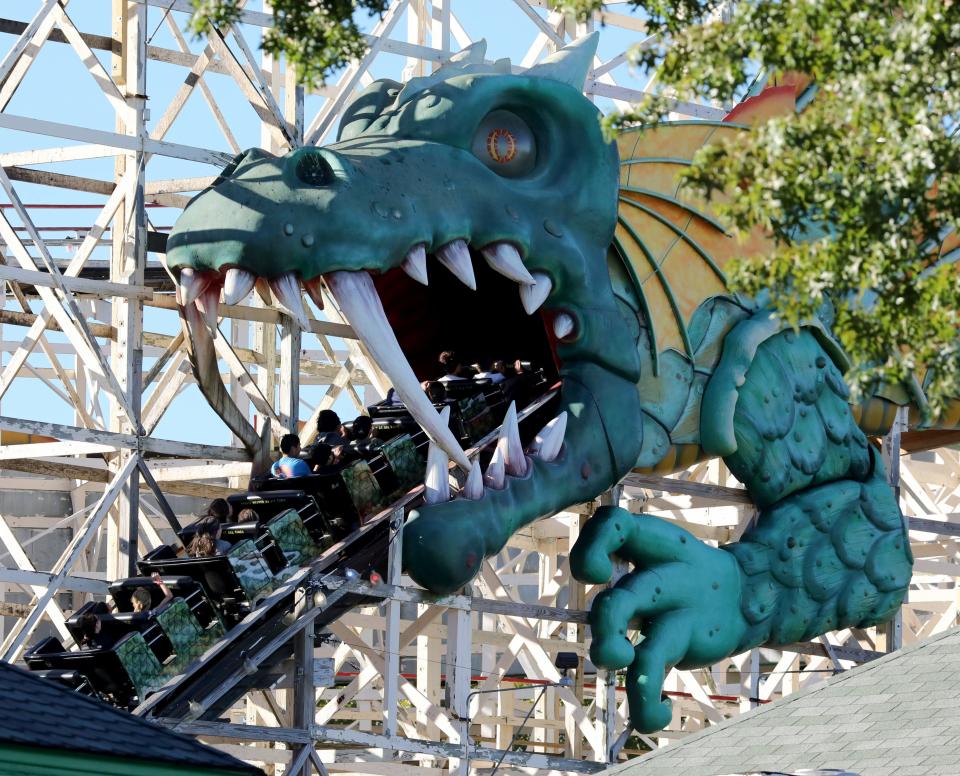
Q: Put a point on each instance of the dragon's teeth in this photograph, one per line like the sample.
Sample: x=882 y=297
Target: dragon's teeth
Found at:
x=415 y=263
x=455 y=256
x=314 y=291
x=360 y=303
x=514 y=459
x=436 y=486
x=496 y=475
x=562 y=325
x=193 y=283
x=286 y=288
x=505 y=259
x=550 y=439
x=237 y=284
x=208 y=303
x=473 y=488
x=534 y=296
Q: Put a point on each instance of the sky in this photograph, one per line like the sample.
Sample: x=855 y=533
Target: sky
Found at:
x=58 y=88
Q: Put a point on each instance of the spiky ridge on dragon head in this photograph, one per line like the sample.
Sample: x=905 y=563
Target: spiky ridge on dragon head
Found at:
x=501 y=179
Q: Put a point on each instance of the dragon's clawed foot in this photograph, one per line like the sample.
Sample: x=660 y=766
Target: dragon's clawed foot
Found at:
x=684 y=594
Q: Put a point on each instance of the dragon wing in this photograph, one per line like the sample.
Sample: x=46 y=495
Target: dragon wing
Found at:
x=670 y=244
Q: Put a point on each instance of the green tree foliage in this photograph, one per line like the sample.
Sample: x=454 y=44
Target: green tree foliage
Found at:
x=859 y=188
x=316 y=36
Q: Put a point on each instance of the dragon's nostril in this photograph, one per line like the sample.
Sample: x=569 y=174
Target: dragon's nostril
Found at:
x=314 y=170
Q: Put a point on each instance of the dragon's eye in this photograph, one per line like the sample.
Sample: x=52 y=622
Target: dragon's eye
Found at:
x=313 y=169
x=505 y=144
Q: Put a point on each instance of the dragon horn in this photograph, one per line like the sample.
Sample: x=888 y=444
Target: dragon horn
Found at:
x=570 y=64
x=472 y=54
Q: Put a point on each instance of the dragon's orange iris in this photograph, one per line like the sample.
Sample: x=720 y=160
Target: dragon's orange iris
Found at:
x=501 y=145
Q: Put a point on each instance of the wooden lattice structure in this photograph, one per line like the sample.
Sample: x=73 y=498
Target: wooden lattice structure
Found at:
x=425 y=683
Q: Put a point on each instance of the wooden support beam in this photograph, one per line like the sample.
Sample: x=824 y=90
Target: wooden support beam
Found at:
x=40 y=579
x=687 y=488
x=125 y=441
x=260 y=314
x=87 y=470
x=410 y=595
x=325 y=733
x=84 y=285
x=19 y=636
x=113 y=139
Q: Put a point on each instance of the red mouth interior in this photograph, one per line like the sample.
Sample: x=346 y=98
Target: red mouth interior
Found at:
x=482 y=326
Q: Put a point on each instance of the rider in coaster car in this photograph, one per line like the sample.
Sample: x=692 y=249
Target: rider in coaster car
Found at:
x=361 y=437
x=495 y=374
x=206 y=540
x=91 y=635
x=141 y=599
x=291 y=464
x=453 y=368
x=330 y=429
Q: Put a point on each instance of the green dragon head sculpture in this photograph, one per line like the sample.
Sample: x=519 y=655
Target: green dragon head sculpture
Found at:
x=481 y=207
x=503 y=179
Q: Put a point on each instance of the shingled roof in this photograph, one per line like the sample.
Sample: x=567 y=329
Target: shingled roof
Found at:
x=897 y=715
x=40 y=713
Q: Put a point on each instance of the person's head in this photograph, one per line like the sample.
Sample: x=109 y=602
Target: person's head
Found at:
x=220 y=509
x=450 y=362
x=89 y=627
x=203 y=546
x=320 y=454
x=208 y=525
x=290 y=445
x=248 y=515
x=328 y=420
x=204 y=542
x=436 y=391
x=141 y=599
x=362 y=427
x=499 y=367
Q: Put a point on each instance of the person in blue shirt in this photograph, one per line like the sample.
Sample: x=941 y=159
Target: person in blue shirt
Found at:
x=291 y=465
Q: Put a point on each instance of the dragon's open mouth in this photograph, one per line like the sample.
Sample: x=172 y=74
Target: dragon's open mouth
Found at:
x=483 y=303
x=474 y=311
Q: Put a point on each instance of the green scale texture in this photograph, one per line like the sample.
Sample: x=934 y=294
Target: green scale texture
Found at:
x=820 y=556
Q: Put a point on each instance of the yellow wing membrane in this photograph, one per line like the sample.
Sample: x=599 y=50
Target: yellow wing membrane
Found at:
x=671 y=244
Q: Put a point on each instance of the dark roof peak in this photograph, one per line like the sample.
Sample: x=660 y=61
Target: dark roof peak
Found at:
x=39 y=712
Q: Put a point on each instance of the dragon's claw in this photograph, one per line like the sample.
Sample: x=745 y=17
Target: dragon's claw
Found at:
x=684 y=595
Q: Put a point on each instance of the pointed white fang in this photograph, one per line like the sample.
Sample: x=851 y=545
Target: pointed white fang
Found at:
x=208 y=303
x=237 y=284
x=496 y=476
x=515 y=460
x=358 y=299
x=415 y=264
x=533 y=296
x=194 y=283
x=312 y=287
x=550 y=439
x=286 y=289
x=473 y=488
x=505 y=259
x=455 y=256
x=436 y=486
x=562 y=325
